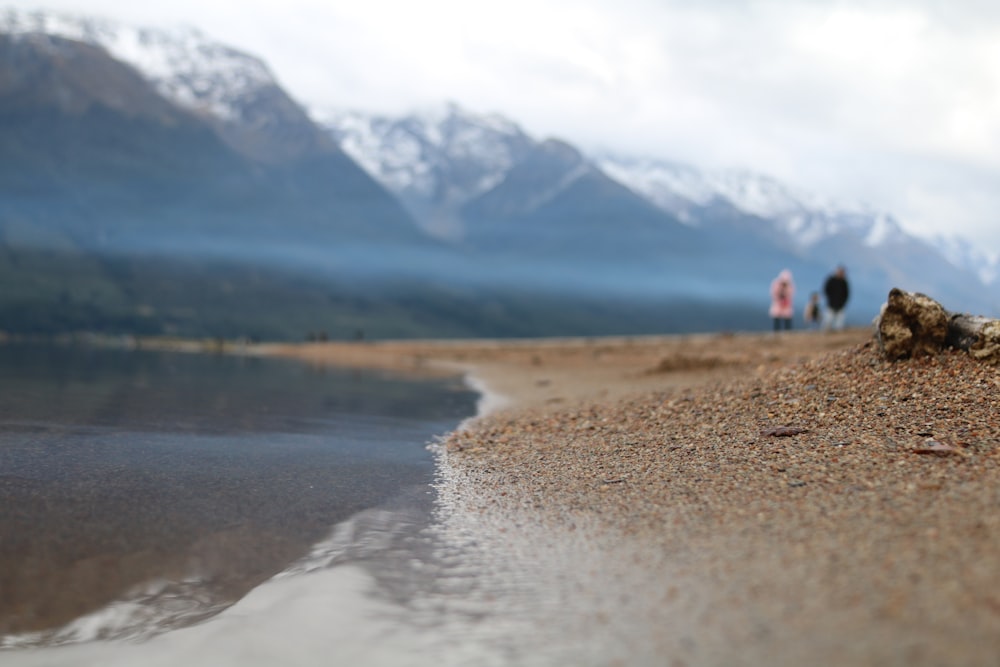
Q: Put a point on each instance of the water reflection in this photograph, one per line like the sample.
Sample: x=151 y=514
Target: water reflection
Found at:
x=177 y=483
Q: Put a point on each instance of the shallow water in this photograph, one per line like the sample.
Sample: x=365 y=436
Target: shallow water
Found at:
x=210 y=511
x=143 y=491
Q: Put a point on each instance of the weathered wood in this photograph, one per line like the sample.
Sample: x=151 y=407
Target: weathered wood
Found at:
x=977 y=335
x=913 y=325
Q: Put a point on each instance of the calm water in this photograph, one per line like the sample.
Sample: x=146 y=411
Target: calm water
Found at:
x=210 y=511
x=145 y=491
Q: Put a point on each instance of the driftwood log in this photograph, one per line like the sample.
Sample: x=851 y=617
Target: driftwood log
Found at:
x=913 y=325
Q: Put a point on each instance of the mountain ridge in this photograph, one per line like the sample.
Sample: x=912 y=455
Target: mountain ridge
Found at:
x=756 y=208
x=233 y=90
x=435 y=162
x=228 y=85
x=477 y=223
x=121 y=210
x=238 y=91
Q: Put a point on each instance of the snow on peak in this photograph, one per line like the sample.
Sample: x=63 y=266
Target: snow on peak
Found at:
x=674 y=185
x=804 y=217
x=184 y=65
x=883 y=229
x=392 y=154
x=963 y=253
x=445 y=151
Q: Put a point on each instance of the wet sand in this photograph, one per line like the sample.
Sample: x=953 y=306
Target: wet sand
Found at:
x=732 y=499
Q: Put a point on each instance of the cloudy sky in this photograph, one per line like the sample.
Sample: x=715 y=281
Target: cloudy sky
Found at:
x=896 y=103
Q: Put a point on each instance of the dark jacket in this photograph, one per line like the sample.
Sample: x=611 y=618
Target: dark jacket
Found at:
x=836 y=292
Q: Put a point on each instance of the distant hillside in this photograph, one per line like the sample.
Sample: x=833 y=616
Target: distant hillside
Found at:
x=435 y=163
x=102 y=156
x=232 y=91
x=741 y=227
x=159 y=182
x=554 y=204
x=100 y=162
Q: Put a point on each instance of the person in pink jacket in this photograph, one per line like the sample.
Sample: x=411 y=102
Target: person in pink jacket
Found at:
x=782 y=293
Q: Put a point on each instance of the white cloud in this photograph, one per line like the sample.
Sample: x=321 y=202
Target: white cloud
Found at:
x=894 y=101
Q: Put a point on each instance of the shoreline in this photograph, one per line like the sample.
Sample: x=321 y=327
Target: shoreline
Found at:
x=750 y=499
x=552 y=372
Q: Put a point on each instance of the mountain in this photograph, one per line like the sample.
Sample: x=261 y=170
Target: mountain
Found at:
x=233 y=91
x=657 y=222
x=962 y=252
x=435 y=162
x=526 y=212
x=554 y=203
x=126 y=159
x=161 y=182
x=872 y=243
x=803 y=220
x=114 y=199
x=127 y=208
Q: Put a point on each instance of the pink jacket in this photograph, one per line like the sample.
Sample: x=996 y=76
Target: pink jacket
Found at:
x=782 y=294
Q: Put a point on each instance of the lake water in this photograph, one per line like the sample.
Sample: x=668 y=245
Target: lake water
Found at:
x=143 y=493
x=163 y=509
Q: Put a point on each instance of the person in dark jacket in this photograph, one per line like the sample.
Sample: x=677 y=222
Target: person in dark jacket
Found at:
x=837 y=293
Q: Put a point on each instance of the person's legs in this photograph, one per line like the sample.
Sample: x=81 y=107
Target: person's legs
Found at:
x=838 y=320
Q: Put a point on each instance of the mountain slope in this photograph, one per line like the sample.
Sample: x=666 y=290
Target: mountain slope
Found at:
x=523 y=212
x=233 y=91
x=105 y=179
x=435 y=161
x=138 y=143
x=553 y=203
x=962 y=252
x=879 y=254
x=102 y=155
x=548 y=200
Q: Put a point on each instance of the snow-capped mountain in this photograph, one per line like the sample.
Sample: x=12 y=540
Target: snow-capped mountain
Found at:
x=962 y=252
x=807 y=220
x=99 y=159
x=435 y=160
x=233 y=89
x=803 y=217
x=480 y=179
x=183 y=64
x=673 y=185
x=467 y=172
x=439 y=160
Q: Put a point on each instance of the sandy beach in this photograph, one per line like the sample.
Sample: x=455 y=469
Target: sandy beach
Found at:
x=731 y=499
x=556 y=372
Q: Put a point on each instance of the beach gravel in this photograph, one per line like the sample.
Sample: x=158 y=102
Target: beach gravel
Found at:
x=721 y=499
x=842 y=510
